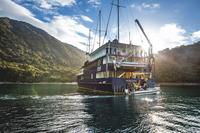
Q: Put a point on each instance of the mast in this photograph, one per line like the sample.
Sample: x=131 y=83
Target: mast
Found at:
x=118 y=6
x=118 y=20
x=89 y=40
x=99 y=28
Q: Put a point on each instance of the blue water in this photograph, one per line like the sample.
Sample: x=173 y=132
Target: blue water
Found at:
x=62 y=108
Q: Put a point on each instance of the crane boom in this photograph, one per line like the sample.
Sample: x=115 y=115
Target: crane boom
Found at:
x=151 y=58
x=150 y=44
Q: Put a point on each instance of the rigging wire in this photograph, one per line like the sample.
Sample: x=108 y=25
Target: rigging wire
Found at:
x=131 y=27
x=130 y=10
x=95 y=36
x=91 y=29
x=129 y=23
x=133 y=17
x=101 y=29
x=136 y=27
x=96 y=28
x=106 y=31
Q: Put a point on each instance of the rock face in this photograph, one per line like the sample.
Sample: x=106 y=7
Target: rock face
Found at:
x=29 y=54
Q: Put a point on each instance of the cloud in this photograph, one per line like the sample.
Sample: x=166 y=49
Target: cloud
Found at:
x=169 y=36
x=150 y=6
x=67 y=29
x=195 y=36
x=86 y=18
x=166 y=36
x=46 y=11
x=44 y=4
x=94 y=3
x=87 y=10
x=137 y=7
x=45 y=7
x=70 y=30
x=12 y=10
x=66 y=2
x=64 y=28
x=52 y=4
x=173 y=33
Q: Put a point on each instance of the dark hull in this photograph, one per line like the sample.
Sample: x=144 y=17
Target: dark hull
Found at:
x=112 y=85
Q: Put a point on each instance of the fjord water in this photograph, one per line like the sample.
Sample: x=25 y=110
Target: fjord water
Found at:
x=61 y=107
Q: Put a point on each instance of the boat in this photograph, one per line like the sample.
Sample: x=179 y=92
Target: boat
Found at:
x=148 y=91
x=119 y=68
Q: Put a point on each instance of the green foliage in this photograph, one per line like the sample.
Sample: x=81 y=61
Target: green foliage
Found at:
x=29 y=54
x=181 y=64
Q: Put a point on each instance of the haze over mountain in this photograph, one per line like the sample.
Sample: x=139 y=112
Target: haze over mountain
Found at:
x=180 y=64
x=29 y=54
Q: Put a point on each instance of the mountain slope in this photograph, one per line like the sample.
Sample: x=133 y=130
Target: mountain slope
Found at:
x=181 y=64
x=29 y=54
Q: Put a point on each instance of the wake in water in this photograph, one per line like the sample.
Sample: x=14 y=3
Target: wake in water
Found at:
x=69 y=96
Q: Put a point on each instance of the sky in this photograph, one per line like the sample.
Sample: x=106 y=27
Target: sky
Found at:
x=167 y=23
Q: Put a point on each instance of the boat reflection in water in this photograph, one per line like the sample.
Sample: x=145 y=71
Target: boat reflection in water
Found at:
x=126 y=113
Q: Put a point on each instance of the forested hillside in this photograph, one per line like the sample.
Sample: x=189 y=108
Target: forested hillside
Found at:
x=29 y=54
x=180 y=64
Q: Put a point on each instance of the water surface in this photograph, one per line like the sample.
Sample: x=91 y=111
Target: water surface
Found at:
x=61 y=107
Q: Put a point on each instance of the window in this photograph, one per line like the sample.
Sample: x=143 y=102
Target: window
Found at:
x=104 y=60
x=106 y=50
x=92 y=76
x=101 y=75
x=111 y=74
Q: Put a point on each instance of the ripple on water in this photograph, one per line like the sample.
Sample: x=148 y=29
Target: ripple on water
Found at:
x=95 y=113
x=8 y=97
x=175 y=117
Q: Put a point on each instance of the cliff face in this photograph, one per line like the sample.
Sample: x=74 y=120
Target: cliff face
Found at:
x=29 y=54
x=181 y=64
